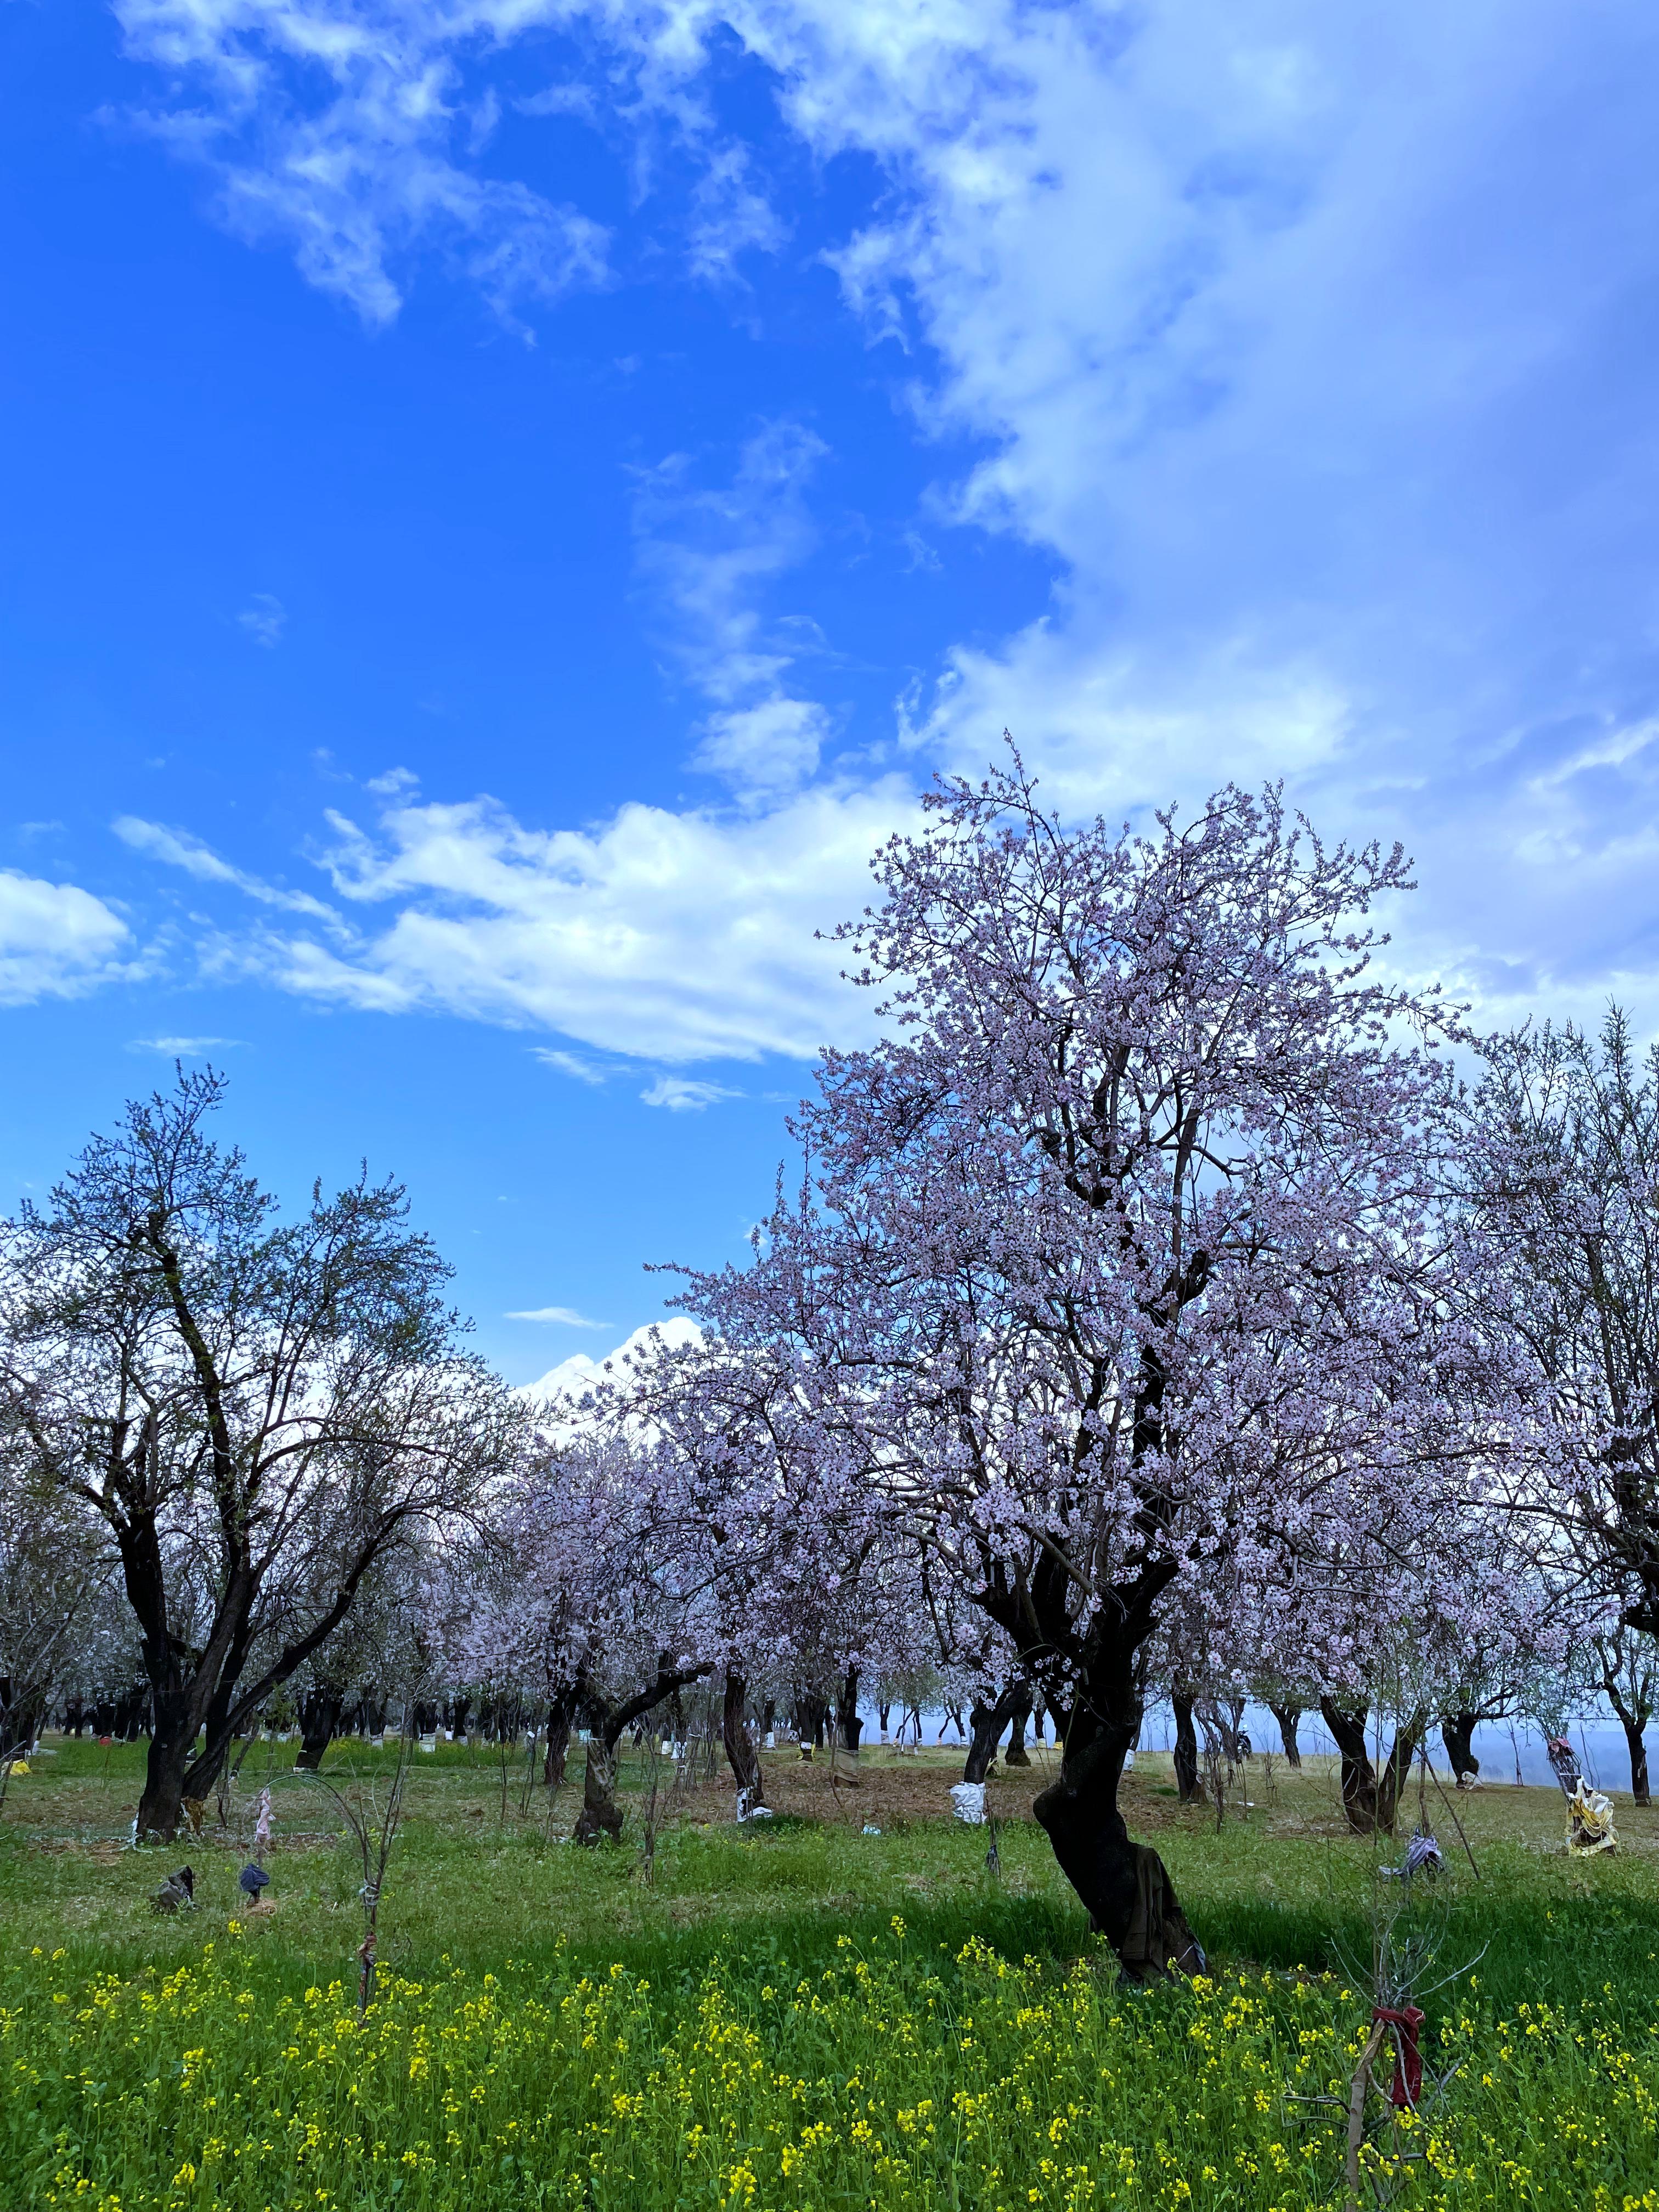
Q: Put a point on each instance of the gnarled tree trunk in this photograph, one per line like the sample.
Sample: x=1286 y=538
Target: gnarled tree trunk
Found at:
x=848 y=1727
x=1287 y=1716
x=600 y=1814
x=742 y=1755
x=1457 y=1734
x=320 y=1717
x=987 y=1723
x=1016 y=1755
x=1370 y=1800
x=561 y=1714
x=1124 y=1885
x=811 y=1718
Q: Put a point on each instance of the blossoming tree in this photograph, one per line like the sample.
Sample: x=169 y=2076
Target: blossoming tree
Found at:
x=1117 y=1276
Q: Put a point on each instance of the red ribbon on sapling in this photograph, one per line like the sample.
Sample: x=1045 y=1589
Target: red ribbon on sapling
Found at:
x=1408 y=2059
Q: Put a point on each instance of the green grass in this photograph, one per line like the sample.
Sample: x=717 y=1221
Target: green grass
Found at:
x=752 y=2029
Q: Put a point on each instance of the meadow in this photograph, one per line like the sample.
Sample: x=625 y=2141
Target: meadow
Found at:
x=795 y=2015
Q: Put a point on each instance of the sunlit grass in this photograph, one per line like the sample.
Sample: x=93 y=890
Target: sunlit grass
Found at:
x=791 y=2019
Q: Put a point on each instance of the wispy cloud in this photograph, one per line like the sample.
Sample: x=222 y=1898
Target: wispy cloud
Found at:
x=682 y=1095
x=712 y=556
x=569 y=1063
x=264 y=618
x=184 y=1047
x=347 y=137
x=658 y=936
x=558 y=1316
x=178 y=849
x=730 y=217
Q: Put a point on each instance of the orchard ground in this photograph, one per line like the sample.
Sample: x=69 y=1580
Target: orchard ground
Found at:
x=795 y=2015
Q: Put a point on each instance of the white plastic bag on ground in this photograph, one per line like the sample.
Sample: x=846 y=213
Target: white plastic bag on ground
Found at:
x=968 y=1799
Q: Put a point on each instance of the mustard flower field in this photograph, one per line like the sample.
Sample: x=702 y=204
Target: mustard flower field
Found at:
x=805 y=2019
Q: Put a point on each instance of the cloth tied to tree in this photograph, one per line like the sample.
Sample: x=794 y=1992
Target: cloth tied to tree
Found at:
x=1405 y=2020
x=969 y=1800
x=1564 y=1761
x=1157 y=1940
x=1589 y=1822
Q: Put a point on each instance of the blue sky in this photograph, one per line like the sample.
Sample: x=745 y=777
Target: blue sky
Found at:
x=506 y=502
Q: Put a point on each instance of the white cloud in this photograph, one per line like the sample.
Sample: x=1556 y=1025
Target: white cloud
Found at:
x=184 y=1047
x=178 y=849
x=1277 y=333
x=569 y=1063
x=711 y=557
x=561 y=1317
x=344 y=133
x=772 y=746
x=56 y=941
x=682 y=1095
x=658 y=936
x=730 y=217
x=265 y=618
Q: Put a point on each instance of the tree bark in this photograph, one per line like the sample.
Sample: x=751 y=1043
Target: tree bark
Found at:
x=1287 y=1716
x=160 y=1807
x=1633 y=1720
x=1370 y=1802
x=848 y=1726
x=987 y=1723
x=741 y=1753
x=1124 y=1885
x=1358 y=1777
x=1457 y=1734
x=319 y=1719
x=1016 y=1755
x=600 y=1814
x=1186 y=1749
x=561 y=1712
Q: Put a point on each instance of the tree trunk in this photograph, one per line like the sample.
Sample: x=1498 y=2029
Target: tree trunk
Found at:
x=1457 y=1732
x=561 y=1712
x=741 y=1754
x=1016 y=1755
x=1392 y=1785
x=1633 y=1720
x=987 y=1723
x=848 y=1726
x=600 y=1815
x=319 y=1718
x=1371 y=1803
x=1287 y=1716
x=1358 y=1777
x=1124 y=1885
x=1186 y=1749
x=1638 y=1760
x=161 y=1807
x=809 y=1717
